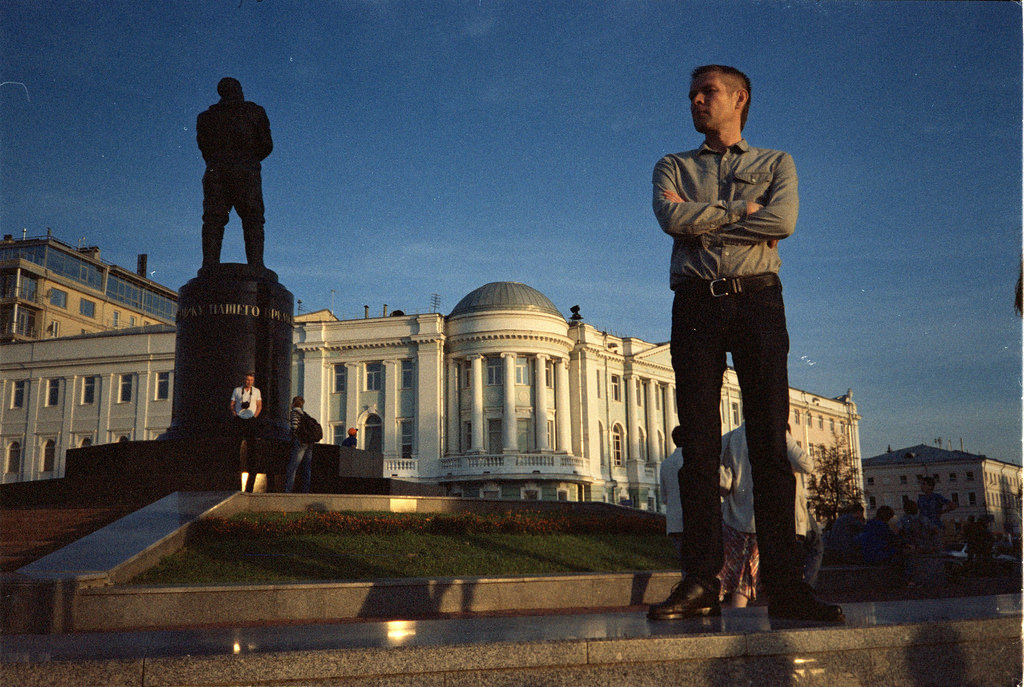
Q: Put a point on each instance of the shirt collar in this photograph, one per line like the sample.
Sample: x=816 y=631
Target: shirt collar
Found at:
x=740 y=146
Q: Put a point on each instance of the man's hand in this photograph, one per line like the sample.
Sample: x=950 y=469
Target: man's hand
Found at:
x=672 y=196
x=753 y=207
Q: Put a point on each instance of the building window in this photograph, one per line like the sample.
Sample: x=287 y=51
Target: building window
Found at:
x=796 y=417
x=952 y=477
x=808 y=419
x=831 y=425
x=523 y=434
x=821 y=422
x=955 y=498
x=522 y=370
x=124 y=394
x=18 y=391
x=408 y=374
x=494 y=435
x=657 y=397
x=467 y=375
x=640 y=393
x=599 y=383
x=52 y=392
x=551 y=435
x=617 y=445
x=86 y=307
x=643 y=445
x=603 y=444
x=616 y=388
x=405 y=434
x=86 y=441
x=563 y=495
x=736 y=414
x=55 y=329
x=871 y=480
x=467 y=436
x=88 y=390
x=971 y=499
x=59 y=298
x=549 y=374
x=131 y=320
x=969 y=476
x=871 y=502
x=374 y=376
x=13 y=457
x=49 y=453
x=493 y=371
x=339 y=379
x=163 y=386
x=373 y=437
x=903 y=479
x=338 y=434
x=115 y=319
x=531 y=495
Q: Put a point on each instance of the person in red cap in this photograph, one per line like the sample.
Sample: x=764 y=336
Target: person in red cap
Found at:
x=350 y=440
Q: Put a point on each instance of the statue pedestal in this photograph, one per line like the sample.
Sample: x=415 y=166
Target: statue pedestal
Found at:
x=232 y=319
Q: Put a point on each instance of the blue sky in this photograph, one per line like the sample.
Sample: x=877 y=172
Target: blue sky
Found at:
x=426 y=148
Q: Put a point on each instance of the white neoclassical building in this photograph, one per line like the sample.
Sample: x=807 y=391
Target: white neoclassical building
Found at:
x=506 y=398
x=502 y=398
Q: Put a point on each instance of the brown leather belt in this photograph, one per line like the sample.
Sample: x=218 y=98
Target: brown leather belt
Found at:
x=732 y=286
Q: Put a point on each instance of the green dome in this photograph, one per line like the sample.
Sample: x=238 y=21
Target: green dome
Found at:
x=505 y=295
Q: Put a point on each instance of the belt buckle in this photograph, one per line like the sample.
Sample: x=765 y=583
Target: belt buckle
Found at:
x=720 y=281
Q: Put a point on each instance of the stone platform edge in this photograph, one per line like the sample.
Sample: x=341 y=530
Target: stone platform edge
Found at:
x=71 y=591
x=974 y=651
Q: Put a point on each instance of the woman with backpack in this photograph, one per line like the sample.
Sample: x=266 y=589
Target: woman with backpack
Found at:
x=303 y=438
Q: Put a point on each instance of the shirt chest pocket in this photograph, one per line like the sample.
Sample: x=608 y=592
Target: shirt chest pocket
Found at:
x=751 y=185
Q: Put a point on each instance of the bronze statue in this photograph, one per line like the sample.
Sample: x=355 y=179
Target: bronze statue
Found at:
x=234 y=137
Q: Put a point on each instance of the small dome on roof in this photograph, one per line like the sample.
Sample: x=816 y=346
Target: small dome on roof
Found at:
x=505 y=295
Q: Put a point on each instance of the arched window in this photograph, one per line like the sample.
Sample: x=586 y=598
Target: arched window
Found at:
x=14 y=457
x=617 y=442
x=49 y=451
x=373 y=438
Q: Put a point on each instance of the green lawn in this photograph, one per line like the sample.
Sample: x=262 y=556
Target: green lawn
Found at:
x=301 y=552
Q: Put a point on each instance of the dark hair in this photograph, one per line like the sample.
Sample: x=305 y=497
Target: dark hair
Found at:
x=298 y=402
x=736 y=75
x=677 y=435
x=884 y=513
x=928 y=480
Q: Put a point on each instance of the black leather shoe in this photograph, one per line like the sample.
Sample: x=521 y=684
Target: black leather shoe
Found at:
x=805 y=607
x=688 y=599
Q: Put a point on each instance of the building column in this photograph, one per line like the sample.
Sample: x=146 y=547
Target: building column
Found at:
x=541 y=405
x=313 y=364
x=670 y=418
x=429 y=404
x=452 y=406
x=509 y=420
x=653 y=451
x=477 y=389
x=563 y=411
x=352 y=386
x=392 y=372
x=632 y=416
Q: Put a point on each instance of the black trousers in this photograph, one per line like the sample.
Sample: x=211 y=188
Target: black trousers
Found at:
x=240 y=187
x=752 y=326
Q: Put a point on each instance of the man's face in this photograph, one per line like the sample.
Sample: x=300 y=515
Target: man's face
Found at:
x=249 y=379
x=927 y=487
x=715 y=102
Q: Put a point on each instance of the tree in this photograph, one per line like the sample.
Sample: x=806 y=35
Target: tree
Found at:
x=835 y=483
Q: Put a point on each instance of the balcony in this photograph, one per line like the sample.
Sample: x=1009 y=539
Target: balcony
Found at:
x=401 y=467
x=514 y=464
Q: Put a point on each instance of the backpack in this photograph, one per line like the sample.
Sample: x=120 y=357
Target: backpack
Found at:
x=309 y=430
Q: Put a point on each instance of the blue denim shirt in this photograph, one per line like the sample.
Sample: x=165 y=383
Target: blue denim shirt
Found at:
x=714 y=238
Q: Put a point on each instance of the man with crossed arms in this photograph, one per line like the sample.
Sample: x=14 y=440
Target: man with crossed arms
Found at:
x=727 y=205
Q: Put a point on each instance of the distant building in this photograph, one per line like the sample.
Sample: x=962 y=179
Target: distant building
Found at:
x=501 y=398
x=50 y=289
x=979 y=485
x=505 y=398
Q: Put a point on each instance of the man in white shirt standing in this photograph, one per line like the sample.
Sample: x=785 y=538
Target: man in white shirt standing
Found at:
x=246 y=406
